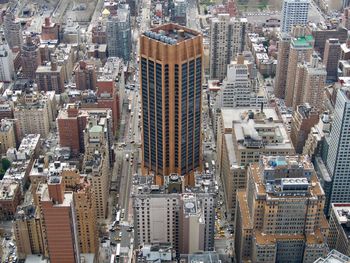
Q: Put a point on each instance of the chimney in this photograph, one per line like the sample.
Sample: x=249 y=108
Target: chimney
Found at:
x=56 y=189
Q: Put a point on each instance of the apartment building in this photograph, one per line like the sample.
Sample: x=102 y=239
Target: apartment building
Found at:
x=8 y=135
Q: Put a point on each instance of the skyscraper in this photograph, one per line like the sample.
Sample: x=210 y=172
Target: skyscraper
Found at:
x=118 y=29
x=30 y=58
x=171 y=90
x=282 y=64
x=227 y=39
x=337 y=160
x=279 y=215
x=12 y=30
x=331 y=58
x=294 y=12
x=7 y=69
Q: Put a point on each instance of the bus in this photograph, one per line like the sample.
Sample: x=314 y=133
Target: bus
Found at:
x=117 y=254
x=113 y=258
x=117 y=218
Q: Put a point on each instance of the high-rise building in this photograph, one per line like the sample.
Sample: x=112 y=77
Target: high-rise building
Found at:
x=171 y=67
x=227 y=39
x=12 y=30
x=59 y=217
x=301 y=48
x=99 y=34
x=331 y=58
x=118 y=30
x=337 y=160
x=280 y=216
x=49 y=30
x=183 y=217
x=304 y=118
x=7 y=69
x=50 y=77
x=85 y=76
x=282 y=65
x=30 y=58
x=339 y=224
x=179 y=12
x=244 y=134
x=310 y=80
x=294 y=13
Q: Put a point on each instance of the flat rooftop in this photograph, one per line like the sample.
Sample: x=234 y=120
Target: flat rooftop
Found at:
x=171 y=34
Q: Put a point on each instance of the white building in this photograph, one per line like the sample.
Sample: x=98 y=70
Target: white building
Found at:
x=227 y=39
x=294 y=12
x=7 y=69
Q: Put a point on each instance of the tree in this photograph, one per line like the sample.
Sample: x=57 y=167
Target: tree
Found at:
x=5 y=163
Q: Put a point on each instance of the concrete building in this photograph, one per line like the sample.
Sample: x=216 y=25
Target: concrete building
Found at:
x=33 y=114
x=7 y=69
x=334 y=257
x=282 y=65
x=344 y=68
x=59 y=216
x=301 y=48
x=118 y=30
x=244 y=135
x=49 y=30
x=28 y=231
x=85 y=76
x=280 y=216
x=331 y=58
x=171 y=86
x=345 y=50
x=179 y=12
x=309 y=83
x=8 y=135
x=294 y=13
x=12 y=30
x=339 y=228
x=238 y=88
x=227 y=39
x=50 y=77
x=170 y=213
x=30 y=58
x=10 y=198
x=304 y=118
x=337 y=159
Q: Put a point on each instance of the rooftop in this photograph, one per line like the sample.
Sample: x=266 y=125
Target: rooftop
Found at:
x=303 y=42
x=334 y=257
x=342 y=217
x=8 y=189
x=171 y=34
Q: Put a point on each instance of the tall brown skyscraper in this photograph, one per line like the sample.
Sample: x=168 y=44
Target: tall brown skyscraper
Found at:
x=282 y=65
x=331 y=58
x=171 y=90
x=30 y=58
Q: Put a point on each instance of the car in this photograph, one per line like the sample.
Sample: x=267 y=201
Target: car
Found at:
x=113 y=244
x=129 y=230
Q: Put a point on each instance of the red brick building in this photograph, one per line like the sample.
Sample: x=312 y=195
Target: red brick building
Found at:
x=49 y=30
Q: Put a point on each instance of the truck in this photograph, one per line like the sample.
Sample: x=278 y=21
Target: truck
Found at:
x=127 y=157
x=129 y=107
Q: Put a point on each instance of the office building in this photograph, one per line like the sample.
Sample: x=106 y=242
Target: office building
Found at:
x=33 y=114
x=12 y=30
x=331 y=58
x=28 y=231
x=334 y=257
x=59 y=217
x=50 y=30
x=179 y=12
x=85 y=76
x=183 y=217
x=279 y=215
x=304 y=118
x=171 y=90
x=309 y=83
x=30 y=58
x=301 y=48
x=244 y=134
x=118 y=30
x=227 y=39
x=50 y=77
x=339 y=224
x=7 y=69
x=294 y=13
x=282 y=65
x=337 y=160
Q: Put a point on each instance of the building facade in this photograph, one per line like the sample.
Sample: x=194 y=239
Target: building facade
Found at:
x=294 y=12
x=7 y=69
x=30 y=58
x=171 y=90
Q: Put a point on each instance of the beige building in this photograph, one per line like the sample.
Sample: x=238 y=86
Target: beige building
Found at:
x=339 y=231
x=33 y=114
x=28 y=232
x=309 y=84
x=279 y=215
x=301 y=48
x=7 y=135
x=246 y=135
